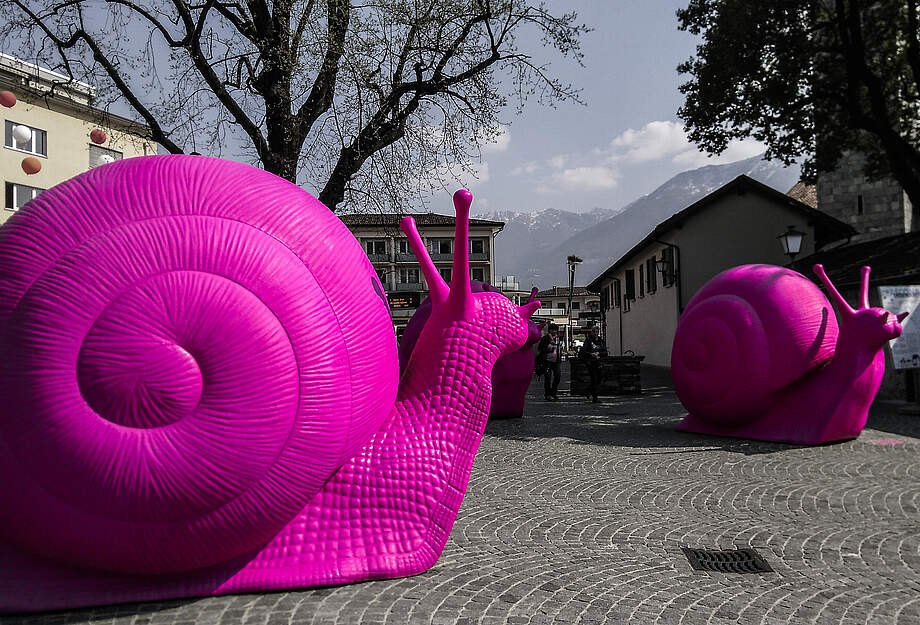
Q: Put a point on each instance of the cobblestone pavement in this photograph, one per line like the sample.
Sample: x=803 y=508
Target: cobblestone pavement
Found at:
x=577 y=513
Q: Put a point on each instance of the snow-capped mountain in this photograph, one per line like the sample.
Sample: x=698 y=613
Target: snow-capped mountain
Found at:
x=533 y=246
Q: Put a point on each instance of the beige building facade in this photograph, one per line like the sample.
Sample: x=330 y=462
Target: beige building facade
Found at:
x=59 y=116
x=644 y=292
x=388 y=250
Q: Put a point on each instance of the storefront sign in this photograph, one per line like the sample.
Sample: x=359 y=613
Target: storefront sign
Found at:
x=905 y=350
x=403 y=300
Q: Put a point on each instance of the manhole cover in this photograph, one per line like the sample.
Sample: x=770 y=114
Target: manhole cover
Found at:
x=733 y=561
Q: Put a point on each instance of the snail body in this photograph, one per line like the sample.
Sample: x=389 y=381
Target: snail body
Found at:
x=201 y=392
x=512 y=373
x=758 y=353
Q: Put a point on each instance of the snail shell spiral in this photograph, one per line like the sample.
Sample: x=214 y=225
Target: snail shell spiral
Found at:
x=190 y=347
x=750 y=331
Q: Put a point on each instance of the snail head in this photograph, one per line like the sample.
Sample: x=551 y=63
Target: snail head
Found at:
x=505 y=323
x=873 y=323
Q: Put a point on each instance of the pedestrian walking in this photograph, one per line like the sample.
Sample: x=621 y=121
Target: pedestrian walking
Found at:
x=590 y=353
x=549 y=357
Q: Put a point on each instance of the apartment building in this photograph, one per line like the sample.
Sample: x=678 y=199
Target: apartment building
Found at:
x=59 y=116
x=388 y=250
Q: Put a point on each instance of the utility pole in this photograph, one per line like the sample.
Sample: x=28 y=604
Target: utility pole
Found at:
x=572 y=261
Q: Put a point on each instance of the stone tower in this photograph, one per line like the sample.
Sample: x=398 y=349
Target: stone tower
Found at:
x=876 y=209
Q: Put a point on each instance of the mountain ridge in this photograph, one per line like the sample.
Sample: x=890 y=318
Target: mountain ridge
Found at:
x=533 y=246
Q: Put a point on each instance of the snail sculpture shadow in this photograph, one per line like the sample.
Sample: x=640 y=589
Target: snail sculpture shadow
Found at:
x=201 y=393
x=512 y=373
x=759 y=354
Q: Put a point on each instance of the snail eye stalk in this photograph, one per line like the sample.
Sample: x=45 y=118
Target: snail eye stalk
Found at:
x=436 y=284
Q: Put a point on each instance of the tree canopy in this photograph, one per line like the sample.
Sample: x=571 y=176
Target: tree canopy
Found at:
x=809 y=78
x=366 y=102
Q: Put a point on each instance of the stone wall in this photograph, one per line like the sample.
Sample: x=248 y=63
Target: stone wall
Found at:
x=876 y=209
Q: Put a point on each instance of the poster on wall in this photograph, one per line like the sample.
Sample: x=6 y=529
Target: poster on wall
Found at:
x=905 y=350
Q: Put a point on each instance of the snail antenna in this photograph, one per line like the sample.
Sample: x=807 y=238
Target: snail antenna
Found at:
x=533 y=295
x=436 y=286
x=461 y=295
x=528 y=309
x=839 y=303
x=864 y=288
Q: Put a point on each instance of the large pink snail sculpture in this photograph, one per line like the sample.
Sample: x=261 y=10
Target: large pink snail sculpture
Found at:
x=758 y=354
x=199 y=391
x=512 y=373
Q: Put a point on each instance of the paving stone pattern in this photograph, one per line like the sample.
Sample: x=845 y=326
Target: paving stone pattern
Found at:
x=577 y=513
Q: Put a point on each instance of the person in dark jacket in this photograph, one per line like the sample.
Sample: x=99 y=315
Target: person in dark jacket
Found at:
x=549 y=355
x=591 y=351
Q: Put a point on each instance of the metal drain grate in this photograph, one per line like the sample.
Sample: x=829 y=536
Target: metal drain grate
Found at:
x=734 y=561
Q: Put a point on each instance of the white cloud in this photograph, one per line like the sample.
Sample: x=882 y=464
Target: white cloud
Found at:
x=526 y=168
x=585 y=178
x=498 y=142
x=736 y=151
x=666 y=139
x=653 y=141
x=559 y=161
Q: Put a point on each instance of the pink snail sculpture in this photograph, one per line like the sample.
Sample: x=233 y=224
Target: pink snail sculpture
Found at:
x=200 y=393
x=758 y=353
x=512 y=373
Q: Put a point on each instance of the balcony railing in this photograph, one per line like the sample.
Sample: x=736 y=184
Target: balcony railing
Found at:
x=550 y=312
x=378 y=258
x=437 y=257
x=405 y=257
x=410 y=286
x=479 y=256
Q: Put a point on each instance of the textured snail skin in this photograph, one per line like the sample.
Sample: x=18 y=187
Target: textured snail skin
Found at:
x=511 y=375
x=200 y=393
x=758 y=353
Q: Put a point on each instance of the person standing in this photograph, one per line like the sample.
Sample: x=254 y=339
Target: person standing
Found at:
x=591 y=351
x=549 y=351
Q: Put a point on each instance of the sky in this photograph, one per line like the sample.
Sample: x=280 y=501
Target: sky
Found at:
x=624 y=142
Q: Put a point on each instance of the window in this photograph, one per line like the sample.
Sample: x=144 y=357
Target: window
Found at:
x=560 y=305
x=408 y=276
x=441 y=246
x=478 y=273
x=576 y=305
x=651 y=276
x=375 y=246
x=617 y=295
x=605 y=298
x=477 y=246
x=404 y=247
x=641 y=281
x=18 y=194
x=37 y=143
x=99 y=155
x=384 y=275
x=630 y=284
x=446 y=273
x=859 y=204
x=667 y=255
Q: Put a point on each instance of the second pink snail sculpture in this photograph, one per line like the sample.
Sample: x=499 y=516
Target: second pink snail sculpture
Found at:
x=512 y=373
x=759 y=354
x=200 y=394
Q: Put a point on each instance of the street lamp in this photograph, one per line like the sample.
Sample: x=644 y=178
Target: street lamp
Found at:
x=791 y=240
x=572 y=261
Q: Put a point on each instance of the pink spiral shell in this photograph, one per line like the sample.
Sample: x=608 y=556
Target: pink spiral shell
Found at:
x=190 y=347
x=748 y=332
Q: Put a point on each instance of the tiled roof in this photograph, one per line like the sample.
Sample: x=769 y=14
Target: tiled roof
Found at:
x=563 y=291
x=894 y=260
x=421 y=219
x=804 y=193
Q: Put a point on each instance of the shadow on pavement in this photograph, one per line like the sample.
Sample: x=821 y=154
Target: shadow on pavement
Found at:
x=646 y=422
